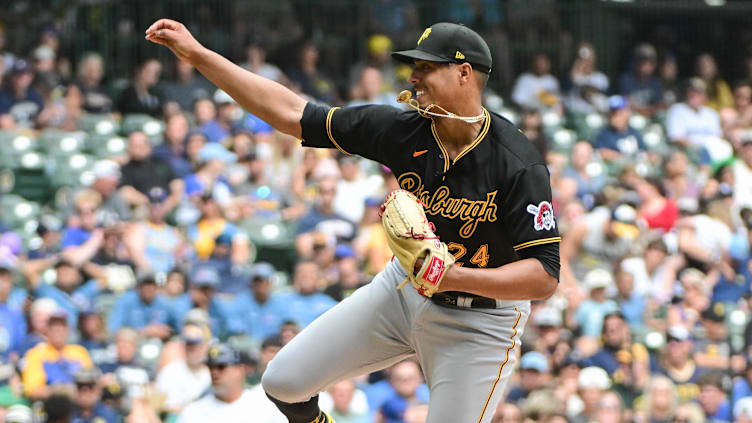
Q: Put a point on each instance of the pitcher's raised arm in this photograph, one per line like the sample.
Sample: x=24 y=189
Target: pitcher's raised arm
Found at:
x=268 y=100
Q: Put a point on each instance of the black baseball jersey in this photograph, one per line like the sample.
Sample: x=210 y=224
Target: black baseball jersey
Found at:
x=491 y=205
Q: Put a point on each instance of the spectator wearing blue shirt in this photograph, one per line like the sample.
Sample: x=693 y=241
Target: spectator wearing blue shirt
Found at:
x=378 y=392
x=306 y=303
x=153 y=243
x=127 y=365
x=405 y=378
x=259 y=309
x=208 y=178
x=143 y=309
x=88 y=399
x=322 y=218
x=82 y=239
x=534 y=374
x=631 y=303
x=233 y=277
x=590 y=313
x=713 y=398
x=172 y=150
x=618 y=350
x=203 y=286
x=70 y=292
x=220 y=128
x=49 y=232
x=618 y=139
x=18 y=99
x=256 y=126
x=743 y=385
x=641 y=86
x=205 y=113
x=93 y=336
x=12 y=320
x=589 y=184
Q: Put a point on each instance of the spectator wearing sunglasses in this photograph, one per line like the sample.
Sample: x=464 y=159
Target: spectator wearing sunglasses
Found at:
x=88 y=399
x=229 y=400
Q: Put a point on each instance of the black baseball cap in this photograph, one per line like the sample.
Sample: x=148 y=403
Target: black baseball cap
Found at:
x=146 y=277
x=716 y=312
x=87 y=375
x=223 y=354
x=449 y=43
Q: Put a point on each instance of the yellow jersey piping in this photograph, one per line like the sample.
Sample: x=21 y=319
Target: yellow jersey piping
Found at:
x=501 y=367
x=329 y=130
x=536 y=242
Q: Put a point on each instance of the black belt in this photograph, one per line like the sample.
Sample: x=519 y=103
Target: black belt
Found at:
x=463 y=301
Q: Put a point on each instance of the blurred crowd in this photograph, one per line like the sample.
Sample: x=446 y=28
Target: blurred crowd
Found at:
x=158 y=245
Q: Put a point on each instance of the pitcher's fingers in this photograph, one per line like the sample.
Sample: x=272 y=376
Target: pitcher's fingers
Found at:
x=163 y=33
x=156 y=40
x=162 y=23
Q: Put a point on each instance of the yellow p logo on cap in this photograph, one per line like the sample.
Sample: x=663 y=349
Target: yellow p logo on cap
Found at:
x=425 y=35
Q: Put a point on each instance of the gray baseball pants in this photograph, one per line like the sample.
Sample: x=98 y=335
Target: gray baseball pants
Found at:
x=467 y=355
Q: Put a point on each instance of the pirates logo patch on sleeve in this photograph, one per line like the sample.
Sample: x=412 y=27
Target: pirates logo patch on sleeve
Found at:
x=543 y=216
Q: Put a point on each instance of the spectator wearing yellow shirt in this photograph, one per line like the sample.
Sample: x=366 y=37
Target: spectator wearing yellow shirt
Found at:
x=719 y=93
x=52 y=364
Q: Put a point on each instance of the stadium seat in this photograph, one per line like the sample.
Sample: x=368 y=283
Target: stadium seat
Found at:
x=588 y=126
x=29 y=177
x=655 y=139
x=148 y=125
x=100 y=124
x=74 y=171
x=551 y=119
x=13 y=145
x=106 y=146
x=563 y=139
x=737 y=323
x=274 y=241
x=17 y=211
x=59 y=143
x=638 y=122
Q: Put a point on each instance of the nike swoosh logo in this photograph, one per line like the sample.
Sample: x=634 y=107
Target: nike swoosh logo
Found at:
x=420 y=153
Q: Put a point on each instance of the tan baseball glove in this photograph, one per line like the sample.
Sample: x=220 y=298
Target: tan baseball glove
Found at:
x=411 y=237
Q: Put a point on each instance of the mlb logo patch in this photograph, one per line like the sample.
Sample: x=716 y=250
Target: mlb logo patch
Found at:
x=543 y=216
x=434 y=271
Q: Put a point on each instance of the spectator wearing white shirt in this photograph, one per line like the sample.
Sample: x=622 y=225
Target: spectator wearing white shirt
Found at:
x=185 y=380
x=589 y=85
x=346 y=403
x=229 y=401
x=742 y=170
x=538 y=89
x=354 y=188
x=693 y=124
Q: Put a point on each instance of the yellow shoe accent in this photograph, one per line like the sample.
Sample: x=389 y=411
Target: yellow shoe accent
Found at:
x=323 y=418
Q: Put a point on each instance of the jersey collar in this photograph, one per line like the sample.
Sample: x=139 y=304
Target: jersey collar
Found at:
x=472 y=145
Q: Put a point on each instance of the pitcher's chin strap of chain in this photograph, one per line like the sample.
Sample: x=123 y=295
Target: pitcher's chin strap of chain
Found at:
x=406 y=97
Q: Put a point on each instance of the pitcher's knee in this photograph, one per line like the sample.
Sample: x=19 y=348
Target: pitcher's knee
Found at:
x=284 y=385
